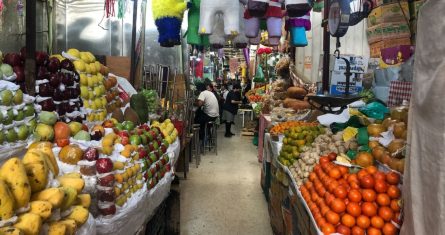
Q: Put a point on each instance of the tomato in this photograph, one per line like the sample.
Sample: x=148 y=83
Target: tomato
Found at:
x=396 y=218
x=333 y=186
x=348 y=220
x=393 y=178
x=380 y=186
x=389 y=229
x=395 y=205
x=328 y=228
x=368 y=195
x=314 y=196
x=340 y=192
x=312 y=176
x=354 y=195
x=335 y=173
x=355 y=185
x=393 y=192
x=369 y=209
x=320 y=190
x=354 y=209
x=343 y=230
x=338 y=205
x=332 y=156
x=386 y=213
x=383 y=199
x=328 y=198
x=367 y=181
x=353 y=178
x=357 y=231
x=332 y=217
x=344 y=170
x=362 y=173
x=324 y=210
x=377 y=222
x=363 y=222
x=373 y=231
x=379 y=176
x=371 y=169
x=309 y=185
x=323 y=160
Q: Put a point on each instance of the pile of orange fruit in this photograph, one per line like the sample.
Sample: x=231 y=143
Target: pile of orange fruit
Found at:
x=364 y=202
x=280 y=128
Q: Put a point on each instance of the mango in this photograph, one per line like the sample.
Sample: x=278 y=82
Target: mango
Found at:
x=29 y=223
x=14 y=174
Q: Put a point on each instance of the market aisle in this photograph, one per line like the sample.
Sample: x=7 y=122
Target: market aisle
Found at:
x=223 y=195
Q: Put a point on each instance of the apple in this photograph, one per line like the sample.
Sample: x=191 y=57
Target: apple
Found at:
x=163 y=161
x=62 y=142
x=2 y=137
x=153 y=170
x=105 y=195
x=46 y=90
x=106 y=181
x=110 y=210
x=29 y=110
x=96 y=135
x=168 y=167
x=84 y=127
x=91 y=154
x=23 y=53
x=153 y=157
x=155 y=145
x=54 y=80
x=75 y=127
x=157 y=154
x=20 y=73
x=44 y=132
x=23 y=132
x=144 y=139
x=151 y=147
x=48 y=105
x=119 y=126
x=104 y=165
x=67 y=64
x=152 y=135
x=108 y=124
x=20 y=115
x=11 y=135
x=163 y=148
x=125 y=140
x=142 y=153
x=158 y=166
x=123 y=134
x=41 y=58
x=128 y=125
x=53 y=64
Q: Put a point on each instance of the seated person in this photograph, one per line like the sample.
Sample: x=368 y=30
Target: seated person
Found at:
x=208 y=109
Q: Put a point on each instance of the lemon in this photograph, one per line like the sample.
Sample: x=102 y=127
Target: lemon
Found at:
x=73 y=52
x=83 y=79
x=79 y=65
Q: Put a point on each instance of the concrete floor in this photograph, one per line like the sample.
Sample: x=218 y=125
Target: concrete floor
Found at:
x=223 y=195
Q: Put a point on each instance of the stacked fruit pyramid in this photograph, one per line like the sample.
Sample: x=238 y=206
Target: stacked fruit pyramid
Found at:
x=353 y=203
x=92 y=90
x=57 y=86
x=17 y=113
x=24 y=184
x=112 y=94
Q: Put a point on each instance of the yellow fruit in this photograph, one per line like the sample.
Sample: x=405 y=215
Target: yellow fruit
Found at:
x=79 y=214
x=75 y=183
x=70 y=197
x=126 y=153
x=79 y=65
x=83 y=80
x=14 y=174
x=84 y=200
x=73 y=52
x=84 y=57
x=57 y=228
x=7 y=202
x=36 y=168
x=119 y=178
x=87 y=69
x=52 y=195
x=117 y=165
x=117 y=191
x=46 y=148
x=71 y=226
x=91 y=57
x=41 y=208
x=72 y=175
x=29 y=223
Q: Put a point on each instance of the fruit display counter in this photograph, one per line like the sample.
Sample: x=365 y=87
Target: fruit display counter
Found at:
x=347 y=182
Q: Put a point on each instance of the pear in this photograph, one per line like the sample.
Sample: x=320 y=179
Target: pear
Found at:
x=18 y=97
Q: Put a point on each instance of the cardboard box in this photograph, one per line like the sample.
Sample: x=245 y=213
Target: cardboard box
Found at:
x=376 y=47
x=387 y=31
x=389 y=13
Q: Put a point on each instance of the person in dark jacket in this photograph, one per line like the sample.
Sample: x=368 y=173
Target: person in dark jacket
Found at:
x=230 y=108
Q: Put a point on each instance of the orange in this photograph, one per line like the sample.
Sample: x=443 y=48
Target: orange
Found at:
x=335 y=173
x=373 y=231
x=348 y=220
x=357 y=231
x=328 y=228
x=340 y=192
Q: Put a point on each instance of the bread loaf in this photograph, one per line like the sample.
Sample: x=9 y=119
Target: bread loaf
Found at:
x=296 y=92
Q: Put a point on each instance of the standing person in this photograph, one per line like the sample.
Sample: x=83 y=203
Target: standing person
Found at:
x=209 y=109
x=230 y=108
x=222 y=99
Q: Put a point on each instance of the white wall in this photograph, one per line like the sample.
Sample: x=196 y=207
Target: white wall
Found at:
x=307 y=59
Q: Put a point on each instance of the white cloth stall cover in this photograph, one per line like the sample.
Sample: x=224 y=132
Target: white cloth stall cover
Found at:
x=424 y=180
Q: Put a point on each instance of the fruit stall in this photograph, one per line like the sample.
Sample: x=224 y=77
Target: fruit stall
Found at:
x=81 y=156
x=328 y=177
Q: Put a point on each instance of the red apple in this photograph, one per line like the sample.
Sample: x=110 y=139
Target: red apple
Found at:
x=91 y=154
x=105 y=195
x=125 y=140
x=111 y=210
x=104 y=165
x=106 y=181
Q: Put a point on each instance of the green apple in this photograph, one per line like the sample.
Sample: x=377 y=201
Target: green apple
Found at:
x=2 y=137
x=75 y=127
x=20 y=115
x=144 y=139
x=119 y=126
x=18 y=97
x=11 y=136
x=1 y=117
x=135 y=140
x=128 y=125
x=32 y=125
x=29 y=110
x=10 y=117
x=6 y=96
x=23 y=132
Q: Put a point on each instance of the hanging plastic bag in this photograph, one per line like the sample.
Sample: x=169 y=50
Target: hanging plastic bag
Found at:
x=259 y=75
x=375 y=110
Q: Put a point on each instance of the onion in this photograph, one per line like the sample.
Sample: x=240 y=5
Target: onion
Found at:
x=374 y=130
x=364 y=159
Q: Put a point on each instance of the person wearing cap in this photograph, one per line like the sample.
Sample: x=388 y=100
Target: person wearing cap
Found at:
x=230 y=108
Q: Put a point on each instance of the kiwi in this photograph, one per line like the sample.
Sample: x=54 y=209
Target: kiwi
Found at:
x=131 y=115
x=118 y=115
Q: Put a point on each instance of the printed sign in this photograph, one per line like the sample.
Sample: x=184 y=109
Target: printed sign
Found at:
x=359 y=64
x=338 y=83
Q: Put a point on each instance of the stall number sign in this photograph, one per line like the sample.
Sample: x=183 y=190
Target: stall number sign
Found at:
x=359 y=64
x=338 y=83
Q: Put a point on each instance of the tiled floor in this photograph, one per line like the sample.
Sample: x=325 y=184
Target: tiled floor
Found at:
x=223 y=195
